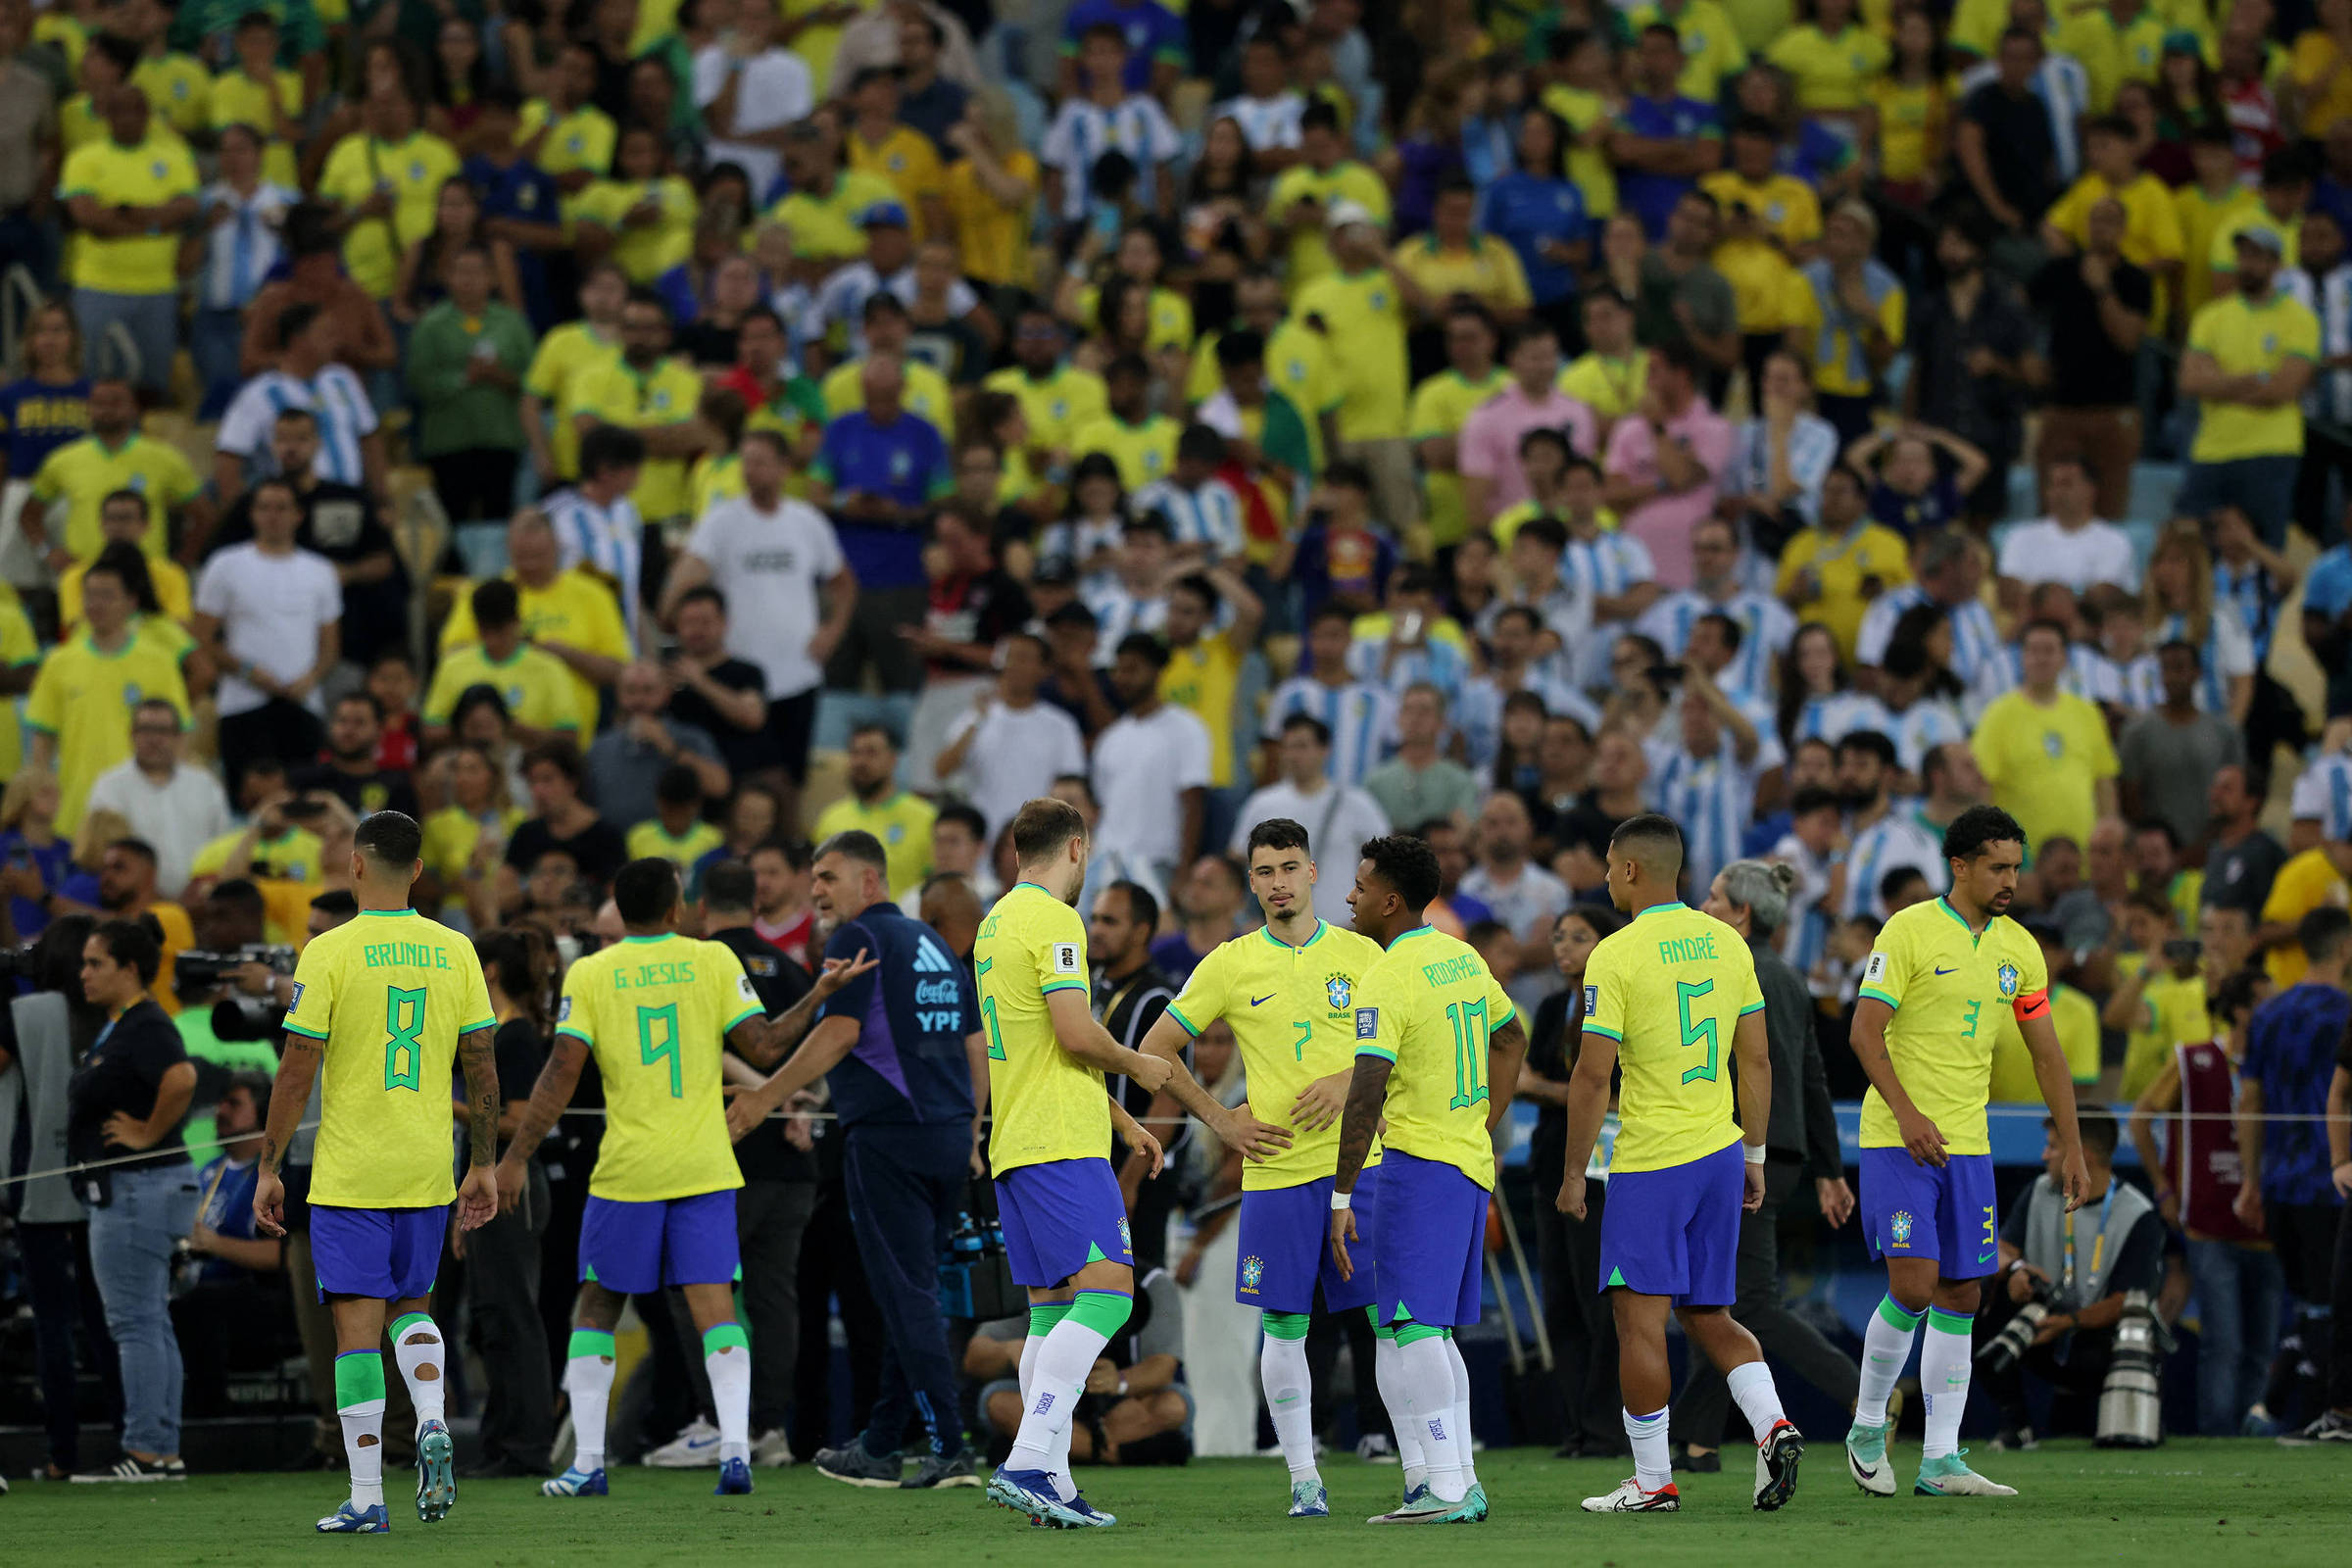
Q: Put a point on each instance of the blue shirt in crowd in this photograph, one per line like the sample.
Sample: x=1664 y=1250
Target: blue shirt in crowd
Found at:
x=904 y=461
x=1651 y=197
x=39 y=417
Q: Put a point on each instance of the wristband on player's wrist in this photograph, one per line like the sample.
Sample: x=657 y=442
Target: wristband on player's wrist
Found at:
x=1340 y=1200
x=1753 y=1153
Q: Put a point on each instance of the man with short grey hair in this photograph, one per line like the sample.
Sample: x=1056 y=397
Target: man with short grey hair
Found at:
x=1751 y=896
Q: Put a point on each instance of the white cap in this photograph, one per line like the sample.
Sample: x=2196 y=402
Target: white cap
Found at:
x=1345 y=212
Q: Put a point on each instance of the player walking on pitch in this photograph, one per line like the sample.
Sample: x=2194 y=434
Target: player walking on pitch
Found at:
x=1922 y=1033
x=1437 y=1052
x=385 y=1006
x=1288 y=991
x=1662 y=995
x=654 y=1009
x=1066 y=1227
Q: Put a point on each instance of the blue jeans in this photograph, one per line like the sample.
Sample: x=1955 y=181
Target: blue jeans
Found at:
x=130 y=1251
x=2238 y=1291
x=152 y=322
x=2263 y=488
x=214 y=337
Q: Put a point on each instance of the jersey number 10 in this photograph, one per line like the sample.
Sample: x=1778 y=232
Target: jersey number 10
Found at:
x=1469 y=1020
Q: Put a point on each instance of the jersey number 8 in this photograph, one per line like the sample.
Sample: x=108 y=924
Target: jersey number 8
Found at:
x=404 y=1060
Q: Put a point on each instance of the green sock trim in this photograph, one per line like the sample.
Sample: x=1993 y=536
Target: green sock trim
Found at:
x=1895 y=1317
x=1414 y=1333
x=725 y=1337
x=1104 y=1311
x=1284 y=1325
x=407 y=1321
x=589 y=1342
x=1044 y=1316
x=1950 y=1322
x=359 y=1378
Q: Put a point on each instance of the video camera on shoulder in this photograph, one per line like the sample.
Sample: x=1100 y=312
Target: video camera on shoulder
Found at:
x=237 y=1016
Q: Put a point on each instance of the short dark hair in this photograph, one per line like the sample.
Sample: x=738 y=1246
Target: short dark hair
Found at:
x=1142 y=907
x=1144 y=646
x=702 y=593
x=389 y=838
x=1312 y=725
x=607 y=446
x=496 y=605
x=730 y=885
x=340 y=903
x=238 y=894
x=857 y=844
x=646 y=890
x=1813 y=798
x=964 y=815
x=1041 y=827
x=562 y=754
x=1871 y=741
x=2097 y=1125
x=678 y=785
x=131 y=944
x=873 y=727
x=1659 y=836
x=1977 y=828
x=1406 y=864
x=2322 y=933
x=1281 y=832
x=797 y=853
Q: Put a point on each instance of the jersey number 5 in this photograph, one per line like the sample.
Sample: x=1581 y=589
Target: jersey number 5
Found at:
x=988 y=1012
x=404 y=1020
x=661 y=1021
x=1701 y=1033
x=1469 y=1019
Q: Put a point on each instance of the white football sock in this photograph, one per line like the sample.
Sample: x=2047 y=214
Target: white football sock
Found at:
x=1068 y=1354
x=728 y=1358
x=1753 y=1387
x=588 y=1381
x=1944 y=1371
x=1461 y=1412
x=1282 y=1370
x=1429 y=1384
x=1388 y=1371
x=1653 y=1465
x=417 y=1347
x=1885 y=1346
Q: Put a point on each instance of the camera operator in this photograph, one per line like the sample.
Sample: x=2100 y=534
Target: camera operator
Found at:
x=129 y=1097
x=230 y=1004
x=42 y=1035
x=2070 y=1272
x=232 y=1312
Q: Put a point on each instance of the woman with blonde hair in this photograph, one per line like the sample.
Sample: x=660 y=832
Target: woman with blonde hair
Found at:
x=33 y=859
x=991 y=195
x=2181 y=610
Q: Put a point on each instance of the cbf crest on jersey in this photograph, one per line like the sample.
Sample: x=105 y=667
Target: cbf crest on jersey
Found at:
x=1900 y=1226
x=2008 y=977
x=1337 y=990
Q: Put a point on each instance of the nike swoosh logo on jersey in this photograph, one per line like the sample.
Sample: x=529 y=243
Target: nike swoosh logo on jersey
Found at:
x=1947 y=971
x=1268 y=997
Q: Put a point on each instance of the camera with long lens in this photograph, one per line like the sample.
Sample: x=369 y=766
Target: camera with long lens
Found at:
x=16 y=963
x=237 y=1016
x=2004 y=1350
x=2132 y=1401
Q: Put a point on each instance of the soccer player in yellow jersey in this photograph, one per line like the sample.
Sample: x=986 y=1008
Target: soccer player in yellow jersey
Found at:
x=1288 y=991
x=1672 y=998
x=1065 y=1225
x=1438 y=1047
x=1921 y=1035
x=384 y=1006
x=654 y=1010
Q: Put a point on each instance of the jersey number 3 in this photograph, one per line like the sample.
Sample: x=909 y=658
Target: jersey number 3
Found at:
x=404 y=1020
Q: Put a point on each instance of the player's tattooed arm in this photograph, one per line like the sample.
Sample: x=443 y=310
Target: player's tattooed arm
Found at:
x=549 y=1096
x=1506 y=1050
x=477 y=1056
x=1367 y=1093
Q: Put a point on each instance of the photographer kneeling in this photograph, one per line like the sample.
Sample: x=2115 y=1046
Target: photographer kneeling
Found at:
x=2053 y=1308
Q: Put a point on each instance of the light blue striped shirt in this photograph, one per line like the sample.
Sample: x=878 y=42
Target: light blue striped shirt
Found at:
x=1766 y=626
x=1812 y=450
x=1900 y=838
x=1209 y=516
x=1835 y=716
x=335 y=397
x=1361 y=718
x=1440 y=665
x=2228 y=652
x=2324 y=795
x=239 y=253
x=2253 y=595
x=1479 y=715
x=1268 y=124
x=1919 y=729
x=607 y=540
x=1605 y=567
x=1085 y=130
x=1711 y=800
x=1979 y=656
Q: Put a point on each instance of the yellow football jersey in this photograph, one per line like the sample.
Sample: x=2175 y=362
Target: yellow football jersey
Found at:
x=84 y=696
x=1429 y=1005
x=1939 y=976
x=1670 y=988
x=1046 y=1104
x=1291 y=1011
x=656 y=1012
x=388 y=994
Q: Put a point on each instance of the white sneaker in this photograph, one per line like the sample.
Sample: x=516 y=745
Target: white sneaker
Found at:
x=694 y=1447
x=771 y=1450
x=1629 y=1497
x=1374 y=1448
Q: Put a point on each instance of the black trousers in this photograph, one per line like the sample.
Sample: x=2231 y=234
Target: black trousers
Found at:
x=241 y=1325
x=287 y=731
x=872 y=640
x=770 y=1219
x=502 y=1279
x=1577 y=1316
x=906 y=1185
x=1326 y=1332
x=2314 y=1252
x=1706 y=1398
x=476 y=486
x=64 y=1291
x=830 y=1273
x=2074 y=1364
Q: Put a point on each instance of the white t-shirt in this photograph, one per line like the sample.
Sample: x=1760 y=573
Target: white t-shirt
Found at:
x=270 y=610
x=1015 y=757
x=178 y=818
x=1338 y=818
x=1142 y=766
x=768 y=564
x=775 y=91
x=2041 y=551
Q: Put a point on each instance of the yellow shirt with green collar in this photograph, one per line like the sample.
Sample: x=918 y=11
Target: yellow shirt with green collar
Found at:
x=649 y=840
x=1610 y=388
x=2202 y=217
x=576 y=609
x=563 y=355
x=2251 y=339
x=826 y=227
x=1428 y=1006
x=1757 y=265
x=1486 y=269
x=239 y=100
x=1298 y=365
x=1203 y=680
x=1842 y=564
x=926 y=396
x=1056 y=406
x=1146 y=453
x=19 y=648
x=414 y=171
x=1170 y=312
x=536 y=687
x=1346 y=180
x=1588 y=166
x=2152 y=235
x=1939 y=976
x=900 y=820
x=907 y=160
x=1830 y=74
x=1440 y=406
x=616 y=393
x=1364 y=318
x=83 y=473
x=1712 y=52
x=645 y=252
x=179 y=92
x=83 y=697
x=2111 y=54
x=155 y=171
x=581 y=140
x=1044 y=1104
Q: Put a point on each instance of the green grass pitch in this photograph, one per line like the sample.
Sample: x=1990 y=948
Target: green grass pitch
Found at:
x=2212 y=1504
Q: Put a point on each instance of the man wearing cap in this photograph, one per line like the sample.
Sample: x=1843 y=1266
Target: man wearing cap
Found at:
x=1361 y=309
x=2250 y=358
x=839 y=306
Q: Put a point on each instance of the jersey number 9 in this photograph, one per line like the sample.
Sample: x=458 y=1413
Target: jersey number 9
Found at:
x=662 y=1021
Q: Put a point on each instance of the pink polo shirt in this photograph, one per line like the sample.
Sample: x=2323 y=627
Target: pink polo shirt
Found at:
x=1664 y=525
x=1489 y=449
